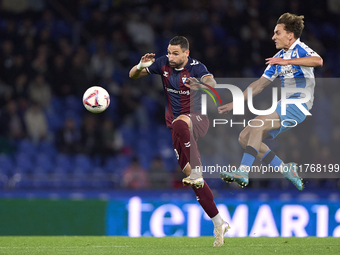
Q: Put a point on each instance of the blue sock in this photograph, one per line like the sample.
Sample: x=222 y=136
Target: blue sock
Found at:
x=249 y=156
x=271 y=159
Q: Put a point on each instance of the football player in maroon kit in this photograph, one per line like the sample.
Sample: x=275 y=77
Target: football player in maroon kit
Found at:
x=180 y=76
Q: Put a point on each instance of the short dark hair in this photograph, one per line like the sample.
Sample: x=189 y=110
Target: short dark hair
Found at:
x=293 y=23
x=180 y=40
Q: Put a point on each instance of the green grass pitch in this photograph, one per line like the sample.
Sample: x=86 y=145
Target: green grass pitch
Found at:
x=94 y=245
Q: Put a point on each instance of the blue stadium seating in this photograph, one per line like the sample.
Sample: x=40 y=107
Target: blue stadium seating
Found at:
x=129 y=135
x=82 y=163
x=40 y=180
x=47 y=147
x=26 y=147
x=25 y=162
x=63 y=161
x=21 y=181
x=6 y=164
x=44 y=161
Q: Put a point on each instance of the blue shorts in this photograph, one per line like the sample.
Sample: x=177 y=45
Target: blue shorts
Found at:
x=293 y=117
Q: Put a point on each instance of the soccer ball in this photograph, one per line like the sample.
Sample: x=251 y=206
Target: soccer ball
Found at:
x=96 y=99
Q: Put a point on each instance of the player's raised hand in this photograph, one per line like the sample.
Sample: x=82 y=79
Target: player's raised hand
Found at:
x=276 y=61
x=148 y=57
x=224 y=109
x=192 y=83
x=146 y=61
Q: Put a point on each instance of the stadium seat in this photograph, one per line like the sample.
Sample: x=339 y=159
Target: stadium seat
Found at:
x=215 y=183
x=60 y=179
x=41 y=180
x=63 y=161
x=47 y=148
x=57 y=104
x=80 y=180
x=6 y=164
x=54 y=121
x=145 y=160
x=99 y=179
x=82 y=163
x=169 y=160
x=26 y=147
x=329 y=184
x=75 y=116
x=25 y=162
x=73 y=102
x=43 y=160
x=117 y=165
x=123 y=161
x=144 y=147
x=3 y=180
x=150 y=105
x=109 y=164
x=20 y=181
x=129 y=135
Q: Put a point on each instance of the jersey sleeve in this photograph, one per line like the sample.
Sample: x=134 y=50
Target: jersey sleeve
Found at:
x=305 y=51
x=156 y=67
x=202 y=71
x=270 y=73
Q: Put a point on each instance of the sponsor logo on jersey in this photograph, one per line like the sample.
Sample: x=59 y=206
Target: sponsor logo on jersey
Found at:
x=288 y=69
x=180 y=92
x=166 y=74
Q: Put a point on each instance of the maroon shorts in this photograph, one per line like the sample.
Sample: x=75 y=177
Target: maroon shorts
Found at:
x=199 y=128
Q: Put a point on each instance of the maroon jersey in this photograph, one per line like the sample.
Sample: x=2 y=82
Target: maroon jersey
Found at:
x=180 y=100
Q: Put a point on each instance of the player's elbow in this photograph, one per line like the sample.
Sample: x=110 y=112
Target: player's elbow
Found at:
x=317 y=61
x=132 y=74
x=210 y=81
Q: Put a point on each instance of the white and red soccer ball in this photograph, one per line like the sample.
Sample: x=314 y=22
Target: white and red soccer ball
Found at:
x=96 y=99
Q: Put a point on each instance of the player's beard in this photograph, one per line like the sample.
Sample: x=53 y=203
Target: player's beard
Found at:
x=176 y=65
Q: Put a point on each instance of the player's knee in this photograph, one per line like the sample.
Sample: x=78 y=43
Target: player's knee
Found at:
x=243 y=139
x=179 y=126
x=257 y=126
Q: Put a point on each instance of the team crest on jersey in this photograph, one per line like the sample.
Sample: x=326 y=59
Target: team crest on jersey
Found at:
x=184 y=79
x=295 y=53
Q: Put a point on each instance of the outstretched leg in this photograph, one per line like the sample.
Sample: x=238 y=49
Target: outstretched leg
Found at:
x=251 y=140
x=189 y=159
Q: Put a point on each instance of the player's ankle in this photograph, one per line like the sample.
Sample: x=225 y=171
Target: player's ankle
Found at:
x=217 y=220
x=196 y=172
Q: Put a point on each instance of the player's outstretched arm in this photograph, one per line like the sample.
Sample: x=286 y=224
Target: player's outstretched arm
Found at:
x=257 y=86
x=209 y=79
x=195 y=84
x=139 y=70
x=313 y=61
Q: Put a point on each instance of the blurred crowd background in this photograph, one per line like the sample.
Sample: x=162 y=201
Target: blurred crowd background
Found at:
x=52 y=51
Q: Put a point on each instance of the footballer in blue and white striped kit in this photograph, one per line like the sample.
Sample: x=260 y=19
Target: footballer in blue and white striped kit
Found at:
x=294 y=64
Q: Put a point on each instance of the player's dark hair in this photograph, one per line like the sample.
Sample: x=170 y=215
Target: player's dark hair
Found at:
x=180 y=40
x=293 y=23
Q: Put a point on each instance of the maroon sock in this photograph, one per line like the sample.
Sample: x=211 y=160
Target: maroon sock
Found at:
x=188 y=151
x=206 y=199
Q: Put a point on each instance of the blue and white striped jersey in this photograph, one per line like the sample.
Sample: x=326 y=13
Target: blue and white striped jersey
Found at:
x=294 y=76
